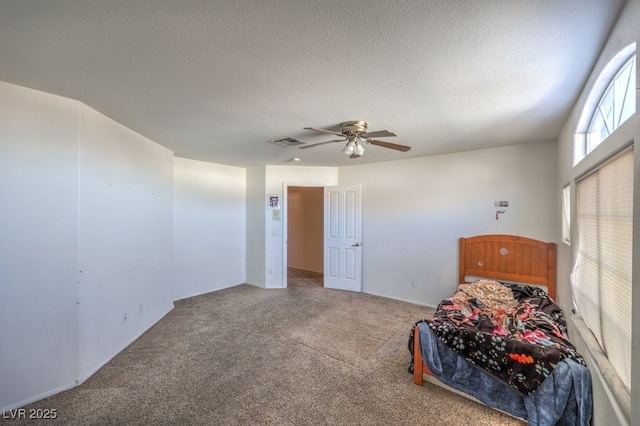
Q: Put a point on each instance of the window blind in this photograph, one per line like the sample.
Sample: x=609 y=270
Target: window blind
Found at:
x=566 y=214
x=601 y=278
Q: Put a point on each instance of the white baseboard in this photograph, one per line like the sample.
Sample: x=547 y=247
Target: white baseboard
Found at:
x=84 y=376
x=386 y=296
x=35 y=398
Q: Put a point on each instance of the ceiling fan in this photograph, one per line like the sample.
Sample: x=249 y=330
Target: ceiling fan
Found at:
x=356 y=135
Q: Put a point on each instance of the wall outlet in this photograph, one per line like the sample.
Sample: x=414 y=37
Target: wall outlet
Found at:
x=413 y=284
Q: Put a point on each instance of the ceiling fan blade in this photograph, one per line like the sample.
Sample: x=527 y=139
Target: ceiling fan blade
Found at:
x=324 y=131
x=378 y=134
x=320 y=143
x=397 y=147
x=355 y=156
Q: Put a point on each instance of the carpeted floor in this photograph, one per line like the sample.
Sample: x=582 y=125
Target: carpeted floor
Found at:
x=303 y=278
x=249 y=356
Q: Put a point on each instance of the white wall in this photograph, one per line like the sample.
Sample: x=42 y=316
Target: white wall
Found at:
x=86 y=213
x=415 y=210
x=38 y=244
x=255 y=227
x=625 y=32
x=125 y=237
x=209 y=227
x=275 y=234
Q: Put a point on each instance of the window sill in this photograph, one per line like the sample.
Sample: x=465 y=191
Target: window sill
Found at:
x=619 y=397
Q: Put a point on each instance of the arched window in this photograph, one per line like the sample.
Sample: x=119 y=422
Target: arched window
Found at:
x=607 y=109
x=617 y=104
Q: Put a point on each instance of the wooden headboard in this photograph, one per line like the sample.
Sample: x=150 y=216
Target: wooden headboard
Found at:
x=509 y=258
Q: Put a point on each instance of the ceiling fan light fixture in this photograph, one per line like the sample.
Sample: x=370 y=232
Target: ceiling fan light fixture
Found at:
x=350 y=147
x=355 y=133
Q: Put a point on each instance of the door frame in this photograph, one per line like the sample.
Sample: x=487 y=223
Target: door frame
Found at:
x=285 y=224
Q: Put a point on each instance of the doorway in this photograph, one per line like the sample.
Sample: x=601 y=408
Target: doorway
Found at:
x=305 y=236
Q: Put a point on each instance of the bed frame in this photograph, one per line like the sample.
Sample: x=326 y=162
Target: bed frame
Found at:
x=499 y=257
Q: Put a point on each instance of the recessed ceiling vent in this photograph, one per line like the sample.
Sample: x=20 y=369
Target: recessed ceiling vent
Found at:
x=287 y=142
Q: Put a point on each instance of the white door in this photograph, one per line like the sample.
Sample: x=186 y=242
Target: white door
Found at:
x=342 y=238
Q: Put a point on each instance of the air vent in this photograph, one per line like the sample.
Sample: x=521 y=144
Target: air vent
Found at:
x=287 y=142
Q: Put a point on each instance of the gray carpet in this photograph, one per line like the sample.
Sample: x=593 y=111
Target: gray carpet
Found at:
x=245 y=355
x=303 y=278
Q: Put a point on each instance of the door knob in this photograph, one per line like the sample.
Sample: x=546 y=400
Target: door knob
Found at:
x=355 y=245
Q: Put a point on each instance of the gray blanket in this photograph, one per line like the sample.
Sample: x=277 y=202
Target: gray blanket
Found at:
x=564 y=398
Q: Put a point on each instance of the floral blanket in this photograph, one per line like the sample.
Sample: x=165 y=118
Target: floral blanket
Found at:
x=514 y=332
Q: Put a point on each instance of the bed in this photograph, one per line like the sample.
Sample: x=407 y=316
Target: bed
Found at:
x=501 y=339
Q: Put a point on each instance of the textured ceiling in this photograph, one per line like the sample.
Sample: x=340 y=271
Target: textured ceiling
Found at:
x=215 y=80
